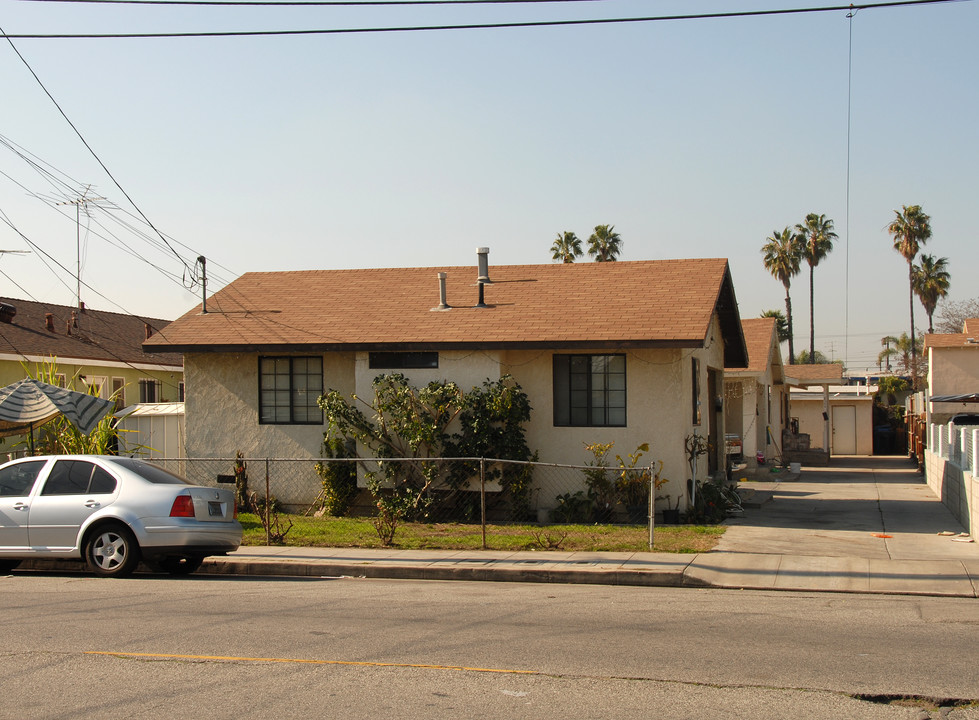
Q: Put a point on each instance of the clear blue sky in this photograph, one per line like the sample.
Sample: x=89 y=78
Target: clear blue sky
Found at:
x=694 y=138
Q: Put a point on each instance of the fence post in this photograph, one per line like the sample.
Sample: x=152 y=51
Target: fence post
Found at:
x=268 y=498
x=652 y=505
x=482 y=498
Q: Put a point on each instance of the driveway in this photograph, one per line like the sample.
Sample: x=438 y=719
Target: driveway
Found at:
x=859 y=507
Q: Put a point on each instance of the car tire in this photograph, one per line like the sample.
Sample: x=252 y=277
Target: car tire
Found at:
x=112 y=551
x=7 y=565
x=178 y=565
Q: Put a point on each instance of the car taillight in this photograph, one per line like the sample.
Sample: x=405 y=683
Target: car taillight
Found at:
x=183 y=506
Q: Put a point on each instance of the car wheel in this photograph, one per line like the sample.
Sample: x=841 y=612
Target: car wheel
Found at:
x=178 y=565
x=7 y=565
x=112 y=551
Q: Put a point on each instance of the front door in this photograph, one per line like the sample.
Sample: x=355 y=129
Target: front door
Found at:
x=844 y=430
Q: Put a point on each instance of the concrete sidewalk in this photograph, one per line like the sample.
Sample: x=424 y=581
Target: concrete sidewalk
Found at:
x=867 y=525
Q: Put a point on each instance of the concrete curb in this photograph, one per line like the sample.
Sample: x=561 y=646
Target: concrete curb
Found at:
x=485 y=573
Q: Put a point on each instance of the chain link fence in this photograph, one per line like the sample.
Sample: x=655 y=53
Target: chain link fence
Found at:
x=435 y=490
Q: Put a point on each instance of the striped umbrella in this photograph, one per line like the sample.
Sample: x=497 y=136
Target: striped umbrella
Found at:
x=28 y=404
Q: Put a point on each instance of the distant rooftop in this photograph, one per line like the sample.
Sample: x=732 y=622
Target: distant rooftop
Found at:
x=30 y=329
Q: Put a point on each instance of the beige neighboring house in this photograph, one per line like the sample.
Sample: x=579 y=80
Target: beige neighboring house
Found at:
x=629 y=352
x=807 y=439
x=953 y=369
x=94 y=351
x=756 y=398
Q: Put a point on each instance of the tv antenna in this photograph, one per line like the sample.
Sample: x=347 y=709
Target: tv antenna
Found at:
x=83 y=201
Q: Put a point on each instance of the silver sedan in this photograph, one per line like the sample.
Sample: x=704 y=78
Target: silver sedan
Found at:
x=112 y=512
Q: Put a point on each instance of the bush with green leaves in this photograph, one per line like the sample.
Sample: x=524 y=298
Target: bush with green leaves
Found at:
x=339 y=478
x=402 y=421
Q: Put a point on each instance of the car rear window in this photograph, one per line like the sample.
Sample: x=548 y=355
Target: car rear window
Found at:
x=151 y=473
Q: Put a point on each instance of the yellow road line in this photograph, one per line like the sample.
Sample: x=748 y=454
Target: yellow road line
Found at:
x=309 y=662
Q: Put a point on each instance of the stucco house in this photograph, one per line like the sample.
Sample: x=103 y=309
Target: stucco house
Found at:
x=92 y=350
x=629 y=352
x=756 y=396
x=953 y=369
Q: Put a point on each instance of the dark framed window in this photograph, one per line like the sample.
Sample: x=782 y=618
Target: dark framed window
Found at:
x=150 y=390
x=288 y=390
x=589 y=390
x=402 y=360
x=695 y=388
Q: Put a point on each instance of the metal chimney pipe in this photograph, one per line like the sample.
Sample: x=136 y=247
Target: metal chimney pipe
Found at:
x=443 y=305
x=482 y=259
x=481 y=303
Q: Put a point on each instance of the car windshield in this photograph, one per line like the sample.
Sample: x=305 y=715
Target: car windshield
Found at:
x=151 y=473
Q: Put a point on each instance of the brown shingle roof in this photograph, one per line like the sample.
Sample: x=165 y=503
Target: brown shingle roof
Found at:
x=664 y=303
x=815 y=374
x=98 y=336
x=969 y=338
x=760 y=339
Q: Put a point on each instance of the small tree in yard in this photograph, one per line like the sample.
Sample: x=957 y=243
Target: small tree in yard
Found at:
x=403 y=421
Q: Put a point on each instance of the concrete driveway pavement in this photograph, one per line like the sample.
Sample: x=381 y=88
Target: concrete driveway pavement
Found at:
x=863 y=524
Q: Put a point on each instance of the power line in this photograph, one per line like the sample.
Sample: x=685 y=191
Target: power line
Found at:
x=319 y=3
x=473 y=26
x=87 y=146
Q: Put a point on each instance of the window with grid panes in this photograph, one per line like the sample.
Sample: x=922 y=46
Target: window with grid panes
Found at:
x=590 y=390
x=288 y=390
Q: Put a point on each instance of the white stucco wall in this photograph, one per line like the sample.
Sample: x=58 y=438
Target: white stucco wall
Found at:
x=221 y=408
x=222 y=404
x=952 y=371
x=809 y=410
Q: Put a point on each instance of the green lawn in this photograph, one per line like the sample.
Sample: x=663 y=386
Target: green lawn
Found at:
x=359 y=532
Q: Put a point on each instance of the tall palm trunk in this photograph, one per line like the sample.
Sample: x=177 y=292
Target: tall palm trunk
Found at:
x=788 y=317
x=914 y=349
x=812 y=321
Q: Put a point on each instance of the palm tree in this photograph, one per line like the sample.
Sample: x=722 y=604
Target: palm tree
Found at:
x=781 y=324
x=910 y=229
x=566 y=247
x=817 y=236
x=907 y=352
x=604 y=243
x=783 y=257
x=888 y=352
x=931 y=281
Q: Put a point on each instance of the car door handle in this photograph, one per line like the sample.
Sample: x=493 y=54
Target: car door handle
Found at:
x=92 y=503
x=21 y=506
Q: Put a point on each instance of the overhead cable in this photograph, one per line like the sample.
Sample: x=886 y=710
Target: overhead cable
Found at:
x=476 y=26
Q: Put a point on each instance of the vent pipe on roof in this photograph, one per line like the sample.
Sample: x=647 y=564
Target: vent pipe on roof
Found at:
x=49 y=321
x=148 y=329
x=443 y=305
x=482 y=262
x=481 y=303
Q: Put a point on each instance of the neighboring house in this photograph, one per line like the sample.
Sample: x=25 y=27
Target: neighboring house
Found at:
x=953 y=369
x=756 y=398
x=808 y=439
x=94 y=351
x=851 y=416
x=629 y=352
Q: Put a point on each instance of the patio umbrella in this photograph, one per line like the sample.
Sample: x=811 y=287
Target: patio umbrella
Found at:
x=28 y=404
